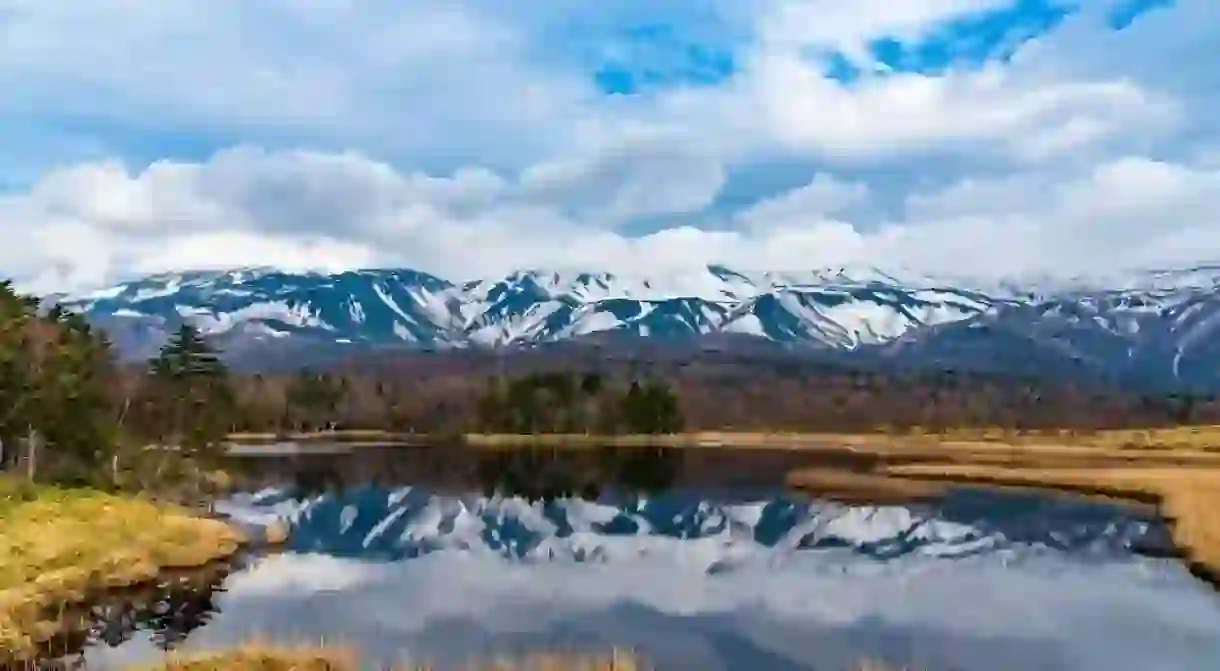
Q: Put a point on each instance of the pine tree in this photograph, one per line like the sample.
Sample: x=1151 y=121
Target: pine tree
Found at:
x=591 y=384
x=187 y=356
x=651 y=408
x=192 y=401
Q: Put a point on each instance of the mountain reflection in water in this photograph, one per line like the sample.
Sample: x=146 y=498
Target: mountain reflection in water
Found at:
x=697 y=560
x=705 y=580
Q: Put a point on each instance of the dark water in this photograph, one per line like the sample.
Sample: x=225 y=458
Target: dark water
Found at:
x=696 y=571
x=537 y=472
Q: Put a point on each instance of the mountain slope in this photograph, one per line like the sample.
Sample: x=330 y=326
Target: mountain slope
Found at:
x=409 y=307
x=1154 y=328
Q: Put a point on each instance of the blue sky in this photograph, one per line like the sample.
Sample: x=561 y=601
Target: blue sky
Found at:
x=469 y=138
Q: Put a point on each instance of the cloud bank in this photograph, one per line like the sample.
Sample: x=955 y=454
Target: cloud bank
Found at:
x=470 y=139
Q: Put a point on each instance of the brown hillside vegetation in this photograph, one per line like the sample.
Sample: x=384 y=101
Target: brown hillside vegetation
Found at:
x=445 y=396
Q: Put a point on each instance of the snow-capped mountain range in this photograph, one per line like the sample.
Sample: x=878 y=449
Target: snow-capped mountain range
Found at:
x=1150 y=327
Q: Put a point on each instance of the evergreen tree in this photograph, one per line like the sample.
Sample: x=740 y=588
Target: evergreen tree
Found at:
x=591 y=384
x=316 y=397
x=55 y=374
x=650 y=408
x=186 y=356
x=191 y=400
x=17 y=376
x=76 y=408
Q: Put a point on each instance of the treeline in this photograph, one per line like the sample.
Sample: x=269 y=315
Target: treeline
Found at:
x=570 y=403
x=547 y=402
x=704 y=393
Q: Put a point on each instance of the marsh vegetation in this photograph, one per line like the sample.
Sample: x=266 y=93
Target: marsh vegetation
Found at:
x=68 y=546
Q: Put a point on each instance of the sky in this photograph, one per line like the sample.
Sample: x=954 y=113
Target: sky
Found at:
x=470 y=138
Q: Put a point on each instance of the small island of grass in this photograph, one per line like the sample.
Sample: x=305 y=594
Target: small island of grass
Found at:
x=59 y=546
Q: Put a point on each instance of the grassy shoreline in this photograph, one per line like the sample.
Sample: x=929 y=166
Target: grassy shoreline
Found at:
x=1186 y=499
x=262 y=657
x=63 y=546
x=1179 y=482
x=1201 y=438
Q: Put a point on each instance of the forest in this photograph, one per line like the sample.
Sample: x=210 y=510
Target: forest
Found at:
x=72 y=410
x=472 y=393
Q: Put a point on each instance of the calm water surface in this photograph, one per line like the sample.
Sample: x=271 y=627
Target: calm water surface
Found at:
x=695 y=577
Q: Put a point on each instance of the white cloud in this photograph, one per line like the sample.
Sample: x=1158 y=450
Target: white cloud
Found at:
x=640 y=176
x=302 y=210
x=456 y=138
x=847 y=28
x=415 y=77
x=1011 y=110
x=821 y=197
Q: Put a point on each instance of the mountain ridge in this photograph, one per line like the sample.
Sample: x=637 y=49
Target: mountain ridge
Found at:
x=1154 y=328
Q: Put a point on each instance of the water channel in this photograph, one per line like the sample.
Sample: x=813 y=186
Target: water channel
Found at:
x=424 y=555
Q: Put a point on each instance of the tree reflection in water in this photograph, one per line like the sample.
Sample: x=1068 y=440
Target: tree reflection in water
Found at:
x=547 y=474
x=168 y=612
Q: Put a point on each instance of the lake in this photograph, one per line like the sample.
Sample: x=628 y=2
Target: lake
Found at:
x=697 y=564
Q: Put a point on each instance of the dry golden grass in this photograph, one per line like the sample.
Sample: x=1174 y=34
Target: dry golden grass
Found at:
x=853 y=487
x=57 y=546
x=258 y=657
x=1200 y=443
x=1201 y=436
x=1194 y=442
x=261 y=657
x=1173 y=471
x=890 y=486
x=340 y=435
x=731 y=439
x=1188 y=497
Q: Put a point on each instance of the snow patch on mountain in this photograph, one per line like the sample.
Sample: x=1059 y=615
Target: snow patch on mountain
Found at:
x=528 y=306
x=1157 y=325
